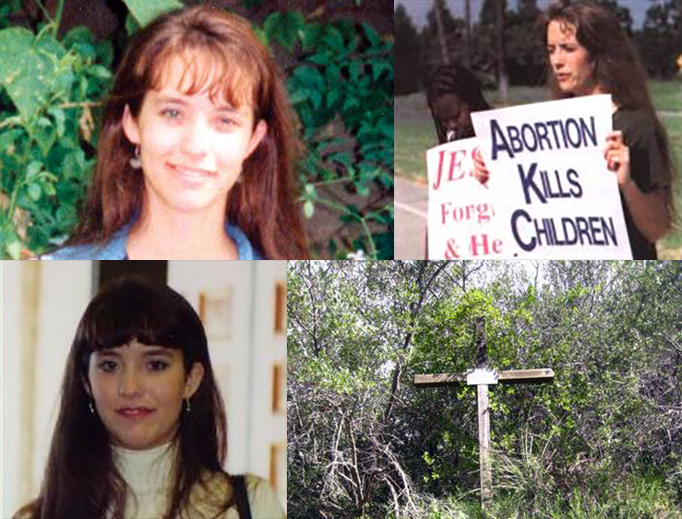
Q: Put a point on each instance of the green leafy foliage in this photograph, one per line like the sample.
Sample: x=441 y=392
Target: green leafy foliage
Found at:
x=342 y=89
x=48 y=93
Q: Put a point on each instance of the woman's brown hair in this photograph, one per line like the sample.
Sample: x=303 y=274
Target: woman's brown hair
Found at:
x=81 y=479
x=224 y=57
x=617 y=67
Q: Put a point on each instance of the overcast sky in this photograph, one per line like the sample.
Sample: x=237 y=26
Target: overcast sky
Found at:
x=419 y=8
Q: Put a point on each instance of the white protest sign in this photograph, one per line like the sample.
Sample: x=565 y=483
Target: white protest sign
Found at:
x=554 y=195
x=461 y=215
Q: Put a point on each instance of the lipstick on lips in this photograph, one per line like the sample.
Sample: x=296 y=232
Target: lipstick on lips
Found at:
x=134 y=412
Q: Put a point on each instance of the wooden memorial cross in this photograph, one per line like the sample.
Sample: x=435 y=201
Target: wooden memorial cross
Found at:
x=482 y=377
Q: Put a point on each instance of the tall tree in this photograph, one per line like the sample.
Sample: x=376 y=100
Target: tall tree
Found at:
x=438 y=8
x=406 y=53
x=659 y=38
x=467 y=33
x=442 y=37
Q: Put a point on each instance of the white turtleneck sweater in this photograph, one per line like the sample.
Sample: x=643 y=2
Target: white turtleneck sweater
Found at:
x=148 y=473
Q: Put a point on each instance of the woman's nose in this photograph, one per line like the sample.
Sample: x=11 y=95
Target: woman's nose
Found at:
x=194 y=141
x=557 y=59
x=130 y=384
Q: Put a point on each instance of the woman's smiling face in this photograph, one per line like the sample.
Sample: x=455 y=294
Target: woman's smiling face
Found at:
x=138 y=392
x=191 y=146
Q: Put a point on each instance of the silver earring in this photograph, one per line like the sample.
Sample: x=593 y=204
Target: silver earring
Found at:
x=92 y=408
x=135 y=161
x=188 y=407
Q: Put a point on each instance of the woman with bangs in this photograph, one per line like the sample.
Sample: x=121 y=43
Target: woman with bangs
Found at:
x=197 y=152
x=141 y=430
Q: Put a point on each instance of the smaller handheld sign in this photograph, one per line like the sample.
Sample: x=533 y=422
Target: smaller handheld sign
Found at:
x=462 y=217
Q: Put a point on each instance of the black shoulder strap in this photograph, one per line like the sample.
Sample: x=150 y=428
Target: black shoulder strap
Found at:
x=241 y=496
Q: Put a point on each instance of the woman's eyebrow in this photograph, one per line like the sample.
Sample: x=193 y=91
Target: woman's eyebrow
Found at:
x=170 y=99
x=180 y=101
x=107 y=353
x=155 y=352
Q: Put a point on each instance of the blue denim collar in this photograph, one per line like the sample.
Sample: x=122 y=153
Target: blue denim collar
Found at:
x=115 y=248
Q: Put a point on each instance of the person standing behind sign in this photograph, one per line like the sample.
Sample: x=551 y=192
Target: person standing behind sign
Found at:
x=589 y=54
x=453 y=94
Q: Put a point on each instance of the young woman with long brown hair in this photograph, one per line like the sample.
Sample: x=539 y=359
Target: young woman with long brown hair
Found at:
x=588 y=54
x=141 y=430
x=196 y=158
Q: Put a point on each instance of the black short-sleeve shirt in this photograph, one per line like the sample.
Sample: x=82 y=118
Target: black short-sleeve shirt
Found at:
x=647 y=169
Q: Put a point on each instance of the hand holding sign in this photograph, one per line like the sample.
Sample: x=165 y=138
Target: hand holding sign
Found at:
x=480 y=170
x=617 y=157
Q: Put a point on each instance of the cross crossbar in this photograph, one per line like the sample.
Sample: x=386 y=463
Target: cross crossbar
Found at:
x=515 y=376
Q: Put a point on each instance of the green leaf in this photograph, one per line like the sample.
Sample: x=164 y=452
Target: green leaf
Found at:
x=355 y=70
x=33 y=169
x=372 y=35
x=310 y=36
x=49 y=189
x=285 y=27
x=59 y=117
x=23 y=72
x=332 y=38
x=310 y=190
x=332 y=97
x=316 y=99
x=298 y=96
x=99 y=71
x=308 y=209
x=131 y=25
x=34 y=192
x=14 y=249
x=362 y=190
x=309 y=77
x=378 y=67
x=145 y=11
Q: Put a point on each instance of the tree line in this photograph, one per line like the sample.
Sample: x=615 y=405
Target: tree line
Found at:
x=507 y=46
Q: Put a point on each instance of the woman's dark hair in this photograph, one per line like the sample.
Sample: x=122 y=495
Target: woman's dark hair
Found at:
x=454 y=79
x=228 y=60
x=617 y=67
x=81 y=480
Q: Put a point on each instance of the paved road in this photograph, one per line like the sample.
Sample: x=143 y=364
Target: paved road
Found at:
x=410 y=201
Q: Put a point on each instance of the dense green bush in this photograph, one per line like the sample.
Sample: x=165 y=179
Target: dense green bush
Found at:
x=48 y=96
x=341 y=84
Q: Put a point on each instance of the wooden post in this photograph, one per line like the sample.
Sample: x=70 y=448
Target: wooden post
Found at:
x=484 y=444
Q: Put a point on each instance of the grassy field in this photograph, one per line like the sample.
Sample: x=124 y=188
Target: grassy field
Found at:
x=414 y=132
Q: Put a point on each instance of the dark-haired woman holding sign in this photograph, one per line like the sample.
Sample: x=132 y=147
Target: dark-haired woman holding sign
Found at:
x=589 y=54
